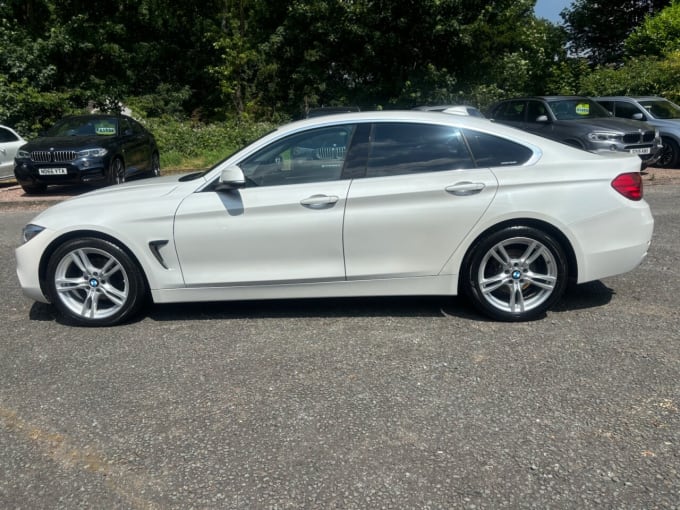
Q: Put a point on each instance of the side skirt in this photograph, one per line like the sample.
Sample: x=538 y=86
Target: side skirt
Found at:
x=418 y=286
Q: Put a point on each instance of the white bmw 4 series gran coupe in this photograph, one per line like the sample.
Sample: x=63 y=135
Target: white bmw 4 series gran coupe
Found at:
x=358 y=204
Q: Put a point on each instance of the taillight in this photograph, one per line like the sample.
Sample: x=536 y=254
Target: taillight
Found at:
x=629 y=185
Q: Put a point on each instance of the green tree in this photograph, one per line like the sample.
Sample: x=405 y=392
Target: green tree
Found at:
x=658 y=35
x=597 y=29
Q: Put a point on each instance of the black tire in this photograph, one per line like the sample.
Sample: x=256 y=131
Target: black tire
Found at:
x=34 y=189
x=670 y=153
x=94 y=282
x=515 y=274
x=155 y=165
x=116 y=173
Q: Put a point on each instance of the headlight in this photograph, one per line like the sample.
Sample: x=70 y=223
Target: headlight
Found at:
x=30 y=231
x=22 y=154
x=605 y=136
x=92 y=153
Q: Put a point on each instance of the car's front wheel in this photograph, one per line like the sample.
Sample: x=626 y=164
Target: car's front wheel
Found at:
x=155 y=165
x=670 y=154
x=116 y=173
x=34 y=189
x=515 y=274
x=94 y=282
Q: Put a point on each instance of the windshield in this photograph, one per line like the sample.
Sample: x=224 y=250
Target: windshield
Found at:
x=661 y=109
x=579 y=108
x=85 y=126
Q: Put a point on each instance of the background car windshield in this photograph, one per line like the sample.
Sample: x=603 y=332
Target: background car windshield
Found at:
x=574 y=109
x=662 y=109
x=84 y=127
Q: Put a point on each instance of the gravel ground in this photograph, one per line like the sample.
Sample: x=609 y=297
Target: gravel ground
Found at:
x=403 y=403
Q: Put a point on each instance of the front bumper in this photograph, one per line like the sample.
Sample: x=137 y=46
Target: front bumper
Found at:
x=75 y=172
x=28 y=257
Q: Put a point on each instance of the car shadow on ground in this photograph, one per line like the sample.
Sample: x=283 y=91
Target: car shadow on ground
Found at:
x=590 y=295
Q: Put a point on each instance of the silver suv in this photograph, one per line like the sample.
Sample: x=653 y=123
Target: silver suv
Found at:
x=657 y=111
x=581 y=122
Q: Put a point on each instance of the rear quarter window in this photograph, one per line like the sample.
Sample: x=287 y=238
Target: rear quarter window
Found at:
x=493 y=151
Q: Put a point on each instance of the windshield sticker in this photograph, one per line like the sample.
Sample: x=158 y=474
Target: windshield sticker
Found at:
x=105 y=130
x=583 y=109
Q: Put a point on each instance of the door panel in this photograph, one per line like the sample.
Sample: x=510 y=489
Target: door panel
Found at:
x=409 y=225
x=270 y=234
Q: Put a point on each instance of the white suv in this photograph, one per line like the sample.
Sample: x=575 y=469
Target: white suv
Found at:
x=10 y=141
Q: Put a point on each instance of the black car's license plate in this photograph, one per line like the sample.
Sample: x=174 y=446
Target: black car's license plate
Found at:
x=52 y=171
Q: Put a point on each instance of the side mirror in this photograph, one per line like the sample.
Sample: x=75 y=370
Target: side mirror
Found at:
x=542 y=118
x=638 y=116
x=231 y=178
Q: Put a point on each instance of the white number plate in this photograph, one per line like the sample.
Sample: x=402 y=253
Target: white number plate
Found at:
x=646 y=150
x=52 y=171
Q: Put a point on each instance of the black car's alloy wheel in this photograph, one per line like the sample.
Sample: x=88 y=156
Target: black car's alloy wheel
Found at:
x=515 y=274
x=34 y=189
x=116 y=171
x=155 y=165
x=94 y=282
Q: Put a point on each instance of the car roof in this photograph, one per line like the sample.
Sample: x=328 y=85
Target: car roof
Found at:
x=544 y=98
x=95 y=116
x=631 y=98
x=431 y=117
x=417 y=116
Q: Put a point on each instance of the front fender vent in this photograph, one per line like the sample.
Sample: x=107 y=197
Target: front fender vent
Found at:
x=155 y=247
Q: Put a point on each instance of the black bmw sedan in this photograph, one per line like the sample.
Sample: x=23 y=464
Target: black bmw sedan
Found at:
x=87 y=149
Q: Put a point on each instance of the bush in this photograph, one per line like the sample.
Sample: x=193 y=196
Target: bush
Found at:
x=191 y=145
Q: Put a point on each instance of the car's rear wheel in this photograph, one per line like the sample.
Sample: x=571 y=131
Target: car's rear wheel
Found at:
x=670 y=153
x=116 y=171
x=515 y=274
x=94 y=282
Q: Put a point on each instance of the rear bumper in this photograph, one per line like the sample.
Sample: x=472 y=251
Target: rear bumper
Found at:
x=614 y=254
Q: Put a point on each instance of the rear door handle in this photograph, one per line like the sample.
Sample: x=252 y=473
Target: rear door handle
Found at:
x=319 y=201
x=464 y=189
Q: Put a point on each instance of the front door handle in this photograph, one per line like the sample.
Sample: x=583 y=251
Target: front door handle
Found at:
x=319 y=201
x=464 y=189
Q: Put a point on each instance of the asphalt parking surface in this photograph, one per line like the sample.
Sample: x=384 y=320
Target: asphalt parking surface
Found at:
x=356 y=403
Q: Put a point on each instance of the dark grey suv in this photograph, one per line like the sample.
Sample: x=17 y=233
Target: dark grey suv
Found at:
x=581 y=122
x=656 y=111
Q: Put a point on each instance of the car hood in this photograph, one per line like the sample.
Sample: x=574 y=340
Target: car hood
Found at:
x=134 y=199
x=150 y=187
x=66 y=142
x=608 y=123
x=669 y=124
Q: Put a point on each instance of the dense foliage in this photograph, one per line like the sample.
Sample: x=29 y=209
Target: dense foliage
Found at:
x=187 y=65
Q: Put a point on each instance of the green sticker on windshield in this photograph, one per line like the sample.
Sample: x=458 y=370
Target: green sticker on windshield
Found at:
x=583 y=109
x=101 y=130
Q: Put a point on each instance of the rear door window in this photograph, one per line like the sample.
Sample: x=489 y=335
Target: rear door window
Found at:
x=409 y=148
